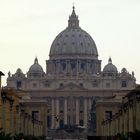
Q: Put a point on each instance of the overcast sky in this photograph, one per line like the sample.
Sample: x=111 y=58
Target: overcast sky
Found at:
x=28 y=27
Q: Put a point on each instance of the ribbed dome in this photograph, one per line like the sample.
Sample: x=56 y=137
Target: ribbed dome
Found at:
x=110 y=68
x=73 y=41
x=35 y=67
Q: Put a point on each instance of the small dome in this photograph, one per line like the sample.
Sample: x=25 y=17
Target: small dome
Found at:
x=18 y=73
x=19 y=70
x=35 y=67
x=110 y=68
x=124 y=70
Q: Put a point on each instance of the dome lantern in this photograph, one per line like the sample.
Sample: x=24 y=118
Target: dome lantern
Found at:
x=73 y=21
x=36 y=61
x=109 y=60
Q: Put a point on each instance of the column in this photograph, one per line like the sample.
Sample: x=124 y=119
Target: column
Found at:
x=89 y=109
x=85 y=113
x=21 y=119
x=89 y=103
x=57 y=112
x=68 y=67
x=4 y=115
x=77 y=111
x=117 y=122
x=65 y=111
x=53 y=115
x=120 y=122
x=109 y=127
x=11 y=121
x=113 y=126
x=26 y=124
x=130 y=111
x=17 y=122
x=125 y=120
x=30 y=125
x=138 y=114
x=79 y=66
x=59 y=67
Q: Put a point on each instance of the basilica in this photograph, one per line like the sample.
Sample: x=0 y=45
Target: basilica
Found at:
x=73 y=79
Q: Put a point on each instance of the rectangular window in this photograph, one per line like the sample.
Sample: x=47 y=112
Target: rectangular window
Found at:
x=34 y=85
x=18 y=84
x=108 y=115
x=81 y=123
x=61 y=104
x=81 y=103
x=108 y=85
x=35 y=115
x=124 y=84
x=49 y=121
x=68 y=120
x=95 y=83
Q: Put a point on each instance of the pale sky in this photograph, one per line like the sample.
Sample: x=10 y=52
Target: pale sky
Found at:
x=28 y=28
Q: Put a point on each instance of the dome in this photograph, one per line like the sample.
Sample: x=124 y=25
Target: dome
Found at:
x=124 y=70
x=35 y=67
x=18 y=73
x=110 y=68
x=73 y=41
x=19 y=70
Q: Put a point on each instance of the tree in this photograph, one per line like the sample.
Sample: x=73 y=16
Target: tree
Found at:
x=4 y=136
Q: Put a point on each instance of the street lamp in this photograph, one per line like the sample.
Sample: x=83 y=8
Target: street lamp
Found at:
x=11 y=113
x=33 y=121
x=22 y=120
x=11 y=103
x=17 y=108
x=17 y=118
x=4 y=98
x=3 y=95
x=138 y=96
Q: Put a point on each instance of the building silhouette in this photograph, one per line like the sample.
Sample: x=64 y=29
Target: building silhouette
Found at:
x=73 y=79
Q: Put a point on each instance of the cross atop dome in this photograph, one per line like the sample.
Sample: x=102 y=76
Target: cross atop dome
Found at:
x=73 y=11
x=73 y=21
x=36 y=61
x=109 y=60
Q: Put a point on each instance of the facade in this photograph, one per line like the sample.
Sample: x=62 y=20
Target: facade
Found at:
x=1 y=74
x=73 y=79
x=34 y=111
x=105 y=109
x=15 y=117
x=127 y=118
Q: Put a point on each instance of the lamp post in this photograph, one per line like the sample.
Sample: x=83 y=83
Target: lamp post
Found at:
x=22 y=121
x=138 y=97
x=33 y=121
x=11 y=115
x=4 y=98
x=17 y=119
x=26 y=124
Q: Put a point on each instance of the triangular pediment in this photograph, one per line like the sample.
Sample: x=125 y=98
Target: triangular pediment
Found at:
x=71 y=87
